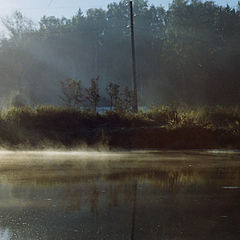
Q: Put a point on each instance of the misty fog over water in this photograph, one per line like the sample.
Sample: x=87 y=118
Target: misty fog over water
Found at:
x=121 y=195
x=187 y=80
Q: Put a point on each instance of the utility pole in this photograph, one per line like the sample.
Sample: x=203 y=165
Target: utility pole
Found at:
x=135 y=103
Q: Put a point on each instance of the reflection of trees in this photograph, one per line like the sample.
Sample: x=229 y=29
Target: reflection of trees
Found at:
x=93 y=198
x=113 y=194
x=134 y=211
x=169 y=218
x=72 y=198
x=73 y=185
x=169 y=200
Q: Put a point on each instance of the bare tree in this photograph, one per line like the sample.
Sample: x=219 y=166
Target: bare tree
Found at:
x=93 y=93
x=113 y=92
x=17 y=25
x=72 y=92
x=128 y=99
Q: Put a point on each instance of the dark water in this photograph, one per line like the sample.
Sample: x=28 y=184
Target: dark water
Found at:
x=138 y=195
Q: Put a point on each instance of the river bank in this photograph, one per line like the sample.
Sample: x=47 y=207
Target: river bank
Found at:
x=161 y=127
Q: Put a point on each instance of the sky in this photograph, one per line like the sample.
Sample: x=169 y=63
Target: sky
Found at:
x=35 y=9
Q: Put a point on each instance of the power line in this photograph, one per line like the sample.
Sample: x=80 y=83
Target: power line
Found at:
x=70 y=7
x=50 y=2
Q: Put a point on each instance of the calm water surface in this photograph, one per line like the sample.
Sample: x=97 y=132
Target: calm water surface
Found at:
x=136 y=195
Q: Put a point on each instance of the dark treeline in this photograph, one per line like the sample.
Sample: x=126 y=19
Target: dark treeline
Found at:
x=190 y=52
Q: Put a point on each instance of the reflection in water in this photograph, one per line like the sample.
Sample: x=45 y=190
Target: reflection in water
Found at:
x=134 y=211
x=137 y=195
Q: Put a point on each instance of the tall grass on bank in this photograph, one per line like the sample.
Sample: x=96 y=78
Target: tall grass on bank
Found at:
x=160 y=127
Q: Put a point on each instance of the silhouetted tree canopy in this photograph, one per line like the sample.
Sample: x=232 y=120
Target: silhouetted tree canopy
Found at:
x=190 y=52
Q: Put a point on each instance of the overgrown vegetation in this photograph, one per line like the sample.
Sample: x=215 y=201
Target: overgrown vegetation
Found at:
x=173 y=126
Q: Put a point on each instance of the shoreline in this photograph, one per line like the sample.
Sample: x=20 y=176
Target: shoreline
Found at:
x=150 y=138
x=161 y=128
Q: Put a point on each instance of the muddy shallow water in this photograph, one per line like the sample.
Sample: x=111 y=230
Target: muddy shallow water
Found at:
x=126 y=195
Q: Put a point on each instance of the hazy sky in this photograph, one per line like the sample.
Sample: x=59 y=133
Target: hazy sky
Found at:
x=35 y=9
